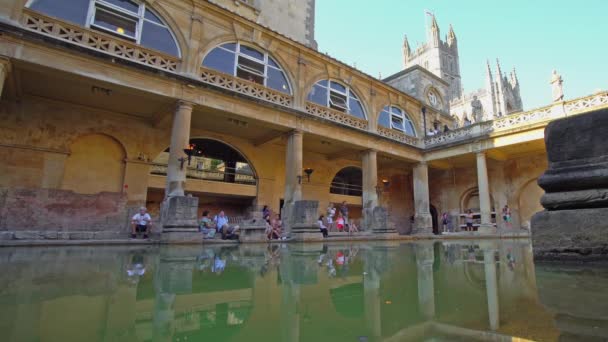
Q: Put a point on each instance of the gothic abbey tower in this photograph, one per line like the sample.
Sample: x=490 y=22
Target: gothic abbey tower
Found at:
x=500 y=95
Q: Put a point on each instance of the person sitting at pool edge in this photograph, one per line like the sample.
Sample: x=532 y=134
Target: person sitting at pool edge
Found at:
x=140 y=223
x=206 y=226
x=322 y=227
x=223 y=227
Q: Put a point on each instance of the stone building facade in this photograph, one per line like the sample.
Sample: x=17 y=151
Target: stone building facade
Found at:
x=500 y=95
x=89 y=112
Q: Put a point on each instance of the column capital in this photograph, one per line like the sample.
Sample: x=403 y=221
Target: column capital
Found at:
x=480 y=153
x=295 y=132
x=183 y=104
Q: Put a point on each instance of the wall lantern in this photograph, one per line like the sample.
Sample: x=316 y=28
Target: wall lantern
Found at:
x=380 y=189
x=308 y=171
x=189 y=151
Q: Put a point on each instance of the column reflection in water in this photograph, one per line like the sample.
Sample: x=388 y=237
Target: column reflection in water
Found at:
x=425 y=256
x=489 y=262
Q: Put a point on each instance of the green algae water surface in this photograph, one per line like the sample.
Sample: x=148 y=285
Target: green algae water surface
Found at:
x=358 y=292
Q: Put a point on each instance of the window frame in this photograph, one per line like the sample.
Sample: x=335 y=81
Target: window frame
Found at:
x=265 y=62
x=395 y=112
x=348 y=94
x=139 y=18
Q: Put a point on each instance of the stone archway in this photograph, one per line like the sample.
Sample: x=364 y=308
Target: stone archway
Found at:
x=96 y=163
x=528 y=201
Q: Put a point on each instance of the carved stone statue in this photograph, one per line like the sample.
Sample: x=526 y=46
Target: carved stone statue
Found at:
x=557 y=86
x=476 y=109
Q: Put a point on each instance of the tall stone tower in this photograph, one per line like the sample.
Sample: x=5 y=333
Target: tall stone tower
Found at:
x=437 y=56
x=499 y=97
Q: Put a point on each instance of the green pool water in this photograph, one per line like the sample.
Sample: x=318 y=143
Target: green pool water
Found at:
x=427 y=291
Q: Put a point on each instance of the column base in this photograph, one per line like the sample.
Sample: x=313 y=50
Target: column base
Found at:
x=423 y=224
x=179 y=236
x=486 y=229
x=179 y=213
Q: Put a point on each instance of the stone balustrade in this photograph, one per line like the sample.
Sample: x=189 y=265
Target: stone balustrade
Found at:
x=95 y=40
x=336 y=116
x=399 y=136
x=245 y=87
x=520 y=120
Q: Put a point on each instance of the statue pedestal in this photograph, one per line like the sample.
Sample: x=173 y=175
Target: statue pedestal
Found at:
x=179 y=219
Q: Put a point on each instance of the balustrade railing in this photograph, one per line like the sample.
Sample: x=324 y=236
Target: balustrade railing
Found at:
x=210 y=175
x=245 y=87
x=340 y=188
x=91 y=39
x=399 y=136
x=518 y=120
x=336 y=116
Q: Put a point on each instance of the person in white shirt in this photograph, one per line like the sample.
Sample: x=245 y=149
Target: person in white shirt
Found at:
x=140 y=223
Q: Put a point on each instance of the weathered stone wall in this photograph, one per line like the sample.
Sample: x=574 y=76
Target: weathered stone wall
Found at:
x=61 y=214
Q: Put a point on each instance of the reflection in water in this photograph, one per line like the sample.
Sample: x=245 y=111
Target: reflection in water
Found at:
x=460 y=290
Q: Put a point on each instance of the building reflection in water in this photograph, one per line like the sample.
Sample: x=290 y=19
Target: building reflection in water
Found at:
x=473 y=290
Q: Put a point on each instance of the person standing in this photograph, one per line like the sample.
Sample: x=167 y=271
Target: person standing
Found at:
x=140 y=223
x=331 y=213
x=344 y=212
x=444 y=222
x=468 y=218
x=506 y=216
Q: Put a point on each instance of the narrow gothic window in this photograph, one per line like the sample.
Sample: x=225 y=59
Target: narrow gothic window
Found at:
x=249 y=64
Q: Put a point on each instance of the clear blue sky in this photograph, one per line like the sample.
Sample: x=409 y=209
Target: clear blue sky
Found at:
x=534 y=36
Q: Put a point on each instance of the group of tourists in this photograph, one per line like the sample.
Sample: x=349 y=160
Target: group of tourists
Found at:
x=218 y=225
x=274 y=225
x=336 y=219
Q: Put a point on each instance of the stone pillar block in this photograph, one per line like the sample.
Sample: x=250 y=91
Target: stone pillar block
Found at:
x=179 y=213
x=379 y=222
x=304 y=221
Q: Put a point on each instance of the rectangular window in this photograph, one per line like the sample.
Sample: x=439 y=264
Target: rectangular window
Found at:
x=338 y=101
x=397 y=123
x=250 y=70
x=115 y=22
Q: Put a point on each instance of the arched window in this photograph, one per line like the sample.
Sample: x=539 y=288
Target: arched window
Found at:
x=126 y=19
x=348 y=181
x=433 y=98
x=247 y=63
x=336 y=96
x=395 y=118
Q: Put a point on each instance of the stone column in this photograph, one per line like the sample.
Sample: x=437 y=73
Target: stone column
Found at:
x=179 y=216
x=483 y=185
x=180 y=137
x=293 y=177
x=423 y=224
x=5 y=65
x=425 y=256
x=293 y=167
x=491 y=287
x=370 y=179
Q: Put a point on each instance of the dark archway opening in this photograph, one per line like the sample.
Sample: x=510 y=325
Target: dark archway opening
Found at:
x=213 y=160
x=348 y=181
x=434 y=218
